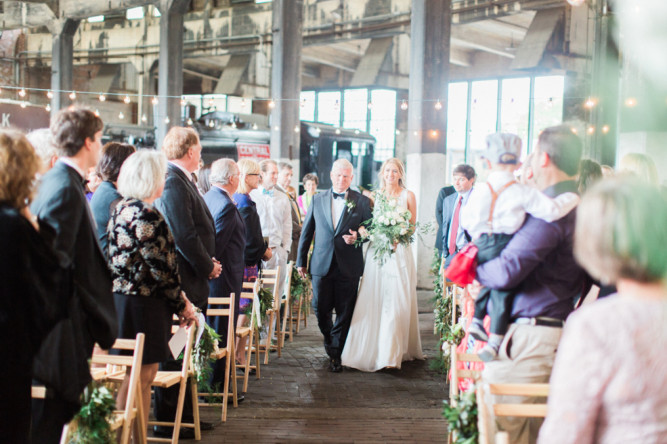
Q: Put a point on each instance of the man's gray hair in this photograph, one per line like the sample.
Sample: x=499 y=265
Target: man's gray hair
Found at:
x=222 y=171
x=284 y=165
x=42 y=140
x=342 y=164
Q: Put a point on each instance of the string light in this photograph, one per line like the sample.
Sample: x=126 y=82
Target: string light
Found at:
x=154 y=101
x=102 y=97
x=370 y=105
x=22 y=93
x=211 y=102
x=48 y=107
x=23 y=104
x=356 y=131
x=72 y=95
x=276 y=128
x=590 y=103
x=590 y=129
x=404 y=105
x=126 y=99
x=49 y=95
x=575 y=3
x=166 y=120
x=144 y=118
x=434 y=133
x=121 y=116
x=438 y=105
x=337 y=131
x=415 y=133
x=97 y=112
x=574 y=130
x=398 y=132
x=630 y=102
x=605 y=129
x=183 y=102
x=272 y=104
x=297 y=129
x=254 y=126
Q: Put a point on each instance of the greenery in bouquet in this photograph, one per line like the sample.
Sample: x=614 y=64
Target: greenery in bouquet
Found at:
x=390 y=226
x=301 y=288
x=92 y=422
x=462 y=418
x=202 y=356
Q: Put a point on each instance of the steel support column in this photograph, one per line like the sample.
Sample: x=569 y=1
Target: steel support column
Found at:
x=62 y=64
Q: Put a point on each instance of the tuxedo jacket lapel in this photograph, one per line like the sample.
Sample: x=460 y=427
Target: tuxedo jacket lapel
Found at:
x=352 y=196
x=326 y=210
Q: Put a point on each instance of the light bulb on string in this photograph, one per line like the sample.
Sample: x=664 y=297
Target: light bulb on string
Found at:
x=272 y=104
x=102 y=97
x=404 y=105
x=590 y=129
x=356 y=131
x=183 y=102
x=48 y=107
x=630 y=102
x=97 y=112
x=297 y=129
x=211 y=124
x=415 y=133
x=576 y=3
x=166 y=120
x=190 y=122
x=276 y=128
x=337 y=131
x=144 y=118
x=72 y=95
x=154 y=101
x=434 y=133
x=370 y=105
x=605 y=129
x=121 y=116
x=49 y=95
x=233 y=124
x=211 y=102
x=398 y=132
x=23 y=104
x=254 y=126
x=22 y=93
x=574 y=130
x=590 y=103
x=438 y=105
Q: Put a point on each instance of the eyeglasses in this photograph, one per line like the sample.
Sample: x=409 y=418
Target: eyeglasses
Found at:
x=252 y=174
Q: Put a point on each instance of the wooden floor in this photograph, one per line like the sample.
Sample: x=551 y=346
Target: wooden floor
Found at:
x=299 y=401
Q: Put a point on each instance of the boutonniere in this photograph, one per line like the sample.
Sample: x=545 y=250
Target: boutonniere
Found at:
x=350 y=204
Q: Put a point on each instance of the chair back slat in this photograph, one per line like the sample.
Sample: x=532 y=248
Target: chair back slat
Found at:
x=519 y=389
x=524 y=410
x=217 y=312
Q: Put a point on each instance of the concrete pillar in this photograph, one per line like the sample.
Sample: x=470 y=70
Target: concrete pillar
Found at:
x=62 y=64
x=170 y=70
x=430 y=31
x=286 y=78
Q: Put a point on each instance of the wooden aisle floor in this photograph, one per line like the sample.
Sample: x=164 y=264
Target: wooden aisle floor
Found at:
x=298 y=400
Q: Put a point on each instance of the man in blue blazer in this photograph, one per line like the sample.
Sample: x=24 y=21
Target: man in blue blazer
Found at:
x=90 y=315
x=453 y=236
x=229 y=245
x=336 y=264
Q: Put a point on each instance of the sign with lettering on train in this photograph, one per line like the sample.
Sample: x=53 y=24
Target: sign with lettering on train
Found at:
x=13 y=115
x=253 y=150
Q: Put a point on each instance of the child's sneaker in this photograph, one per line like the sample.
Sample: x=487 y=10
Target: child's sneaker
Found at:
x=477 y=331
x=487 y=353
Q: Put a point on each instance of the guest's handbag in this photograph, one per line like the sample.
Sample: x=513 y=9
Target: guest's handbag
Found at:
x=463 y=266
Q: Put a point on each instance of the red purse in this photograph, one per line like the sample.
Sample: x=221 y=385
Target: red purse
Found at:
x=462 y=269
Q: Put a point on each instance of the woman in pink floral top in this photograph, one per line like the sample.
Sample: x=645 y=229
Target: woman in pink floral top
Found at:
x=610 y=377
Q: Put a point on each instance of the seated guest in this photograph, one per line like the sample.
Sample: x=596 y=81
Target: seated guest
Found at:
x=310 y=182
x=28 y=270
x=106 y=196
x=608 y=380
x=142 y=259
x=256 y=248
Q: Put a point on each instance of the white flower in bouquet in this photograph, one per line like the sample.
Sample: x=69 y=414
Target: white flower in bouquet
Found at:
x=393 y=222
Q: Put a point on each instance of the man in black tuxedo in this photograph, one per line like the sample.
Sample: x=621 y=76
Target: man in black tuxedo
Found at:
x=229 y=246
x=90 y=315
x=192 y=226
x=336 y=264
x=444 y=193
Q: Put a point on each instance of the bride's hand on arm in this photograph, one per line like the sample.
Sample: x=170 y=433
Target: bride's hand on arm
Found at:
x=350 y=238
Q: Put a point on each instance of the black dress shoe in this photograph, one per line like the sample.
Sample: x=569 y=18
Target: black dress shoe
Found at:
x=239 y=399
x=203 y=425
x=167 y=432
x=335 y=366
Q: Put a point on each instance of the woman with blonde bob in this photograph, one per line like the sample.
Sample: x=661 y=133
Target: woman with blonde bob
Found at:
x=28 y=283
x=142 y=259
x=608 y=380
x=385 y=325
x=641 y=166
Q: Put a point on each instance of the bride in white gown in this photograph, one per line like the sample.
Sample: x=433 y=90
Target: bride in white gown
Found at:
x=385 y=326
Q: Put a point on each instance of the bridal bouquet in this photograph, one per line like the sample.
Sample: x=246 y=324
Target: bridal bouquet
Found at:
x=389 y=227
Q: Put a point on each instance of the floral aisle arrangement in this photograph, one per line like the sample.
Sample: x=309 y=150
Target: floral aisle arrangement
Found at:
x=301 y=288
x=92 y=423
x=449 y=333
x=462 y=418
x=389 y=227
x=205 y=351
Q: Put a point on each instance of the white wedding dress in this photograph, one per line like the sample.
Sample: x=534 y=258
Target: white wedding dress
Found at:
x=385 y=326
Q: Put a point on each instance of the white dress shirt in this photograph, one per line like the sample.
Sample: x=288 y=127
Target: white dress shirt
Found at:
x=511 y=206
x=274 y=216
x=337 y=208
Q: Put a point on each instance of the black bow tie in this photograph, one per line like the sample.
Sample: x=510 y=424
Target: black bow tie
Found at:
x=338 y=195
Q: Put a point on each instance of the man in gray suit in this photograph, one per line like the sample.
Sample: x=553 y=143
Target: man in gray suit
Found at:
x=336 y=264
x=90 y=315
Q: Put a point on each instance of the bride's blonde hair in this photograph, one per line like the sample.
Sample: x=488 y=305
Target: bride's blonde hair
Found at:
x=401 y=170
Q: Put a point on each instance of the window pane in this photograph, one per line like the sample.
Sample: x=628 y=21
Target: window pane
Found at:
x=307 y=108
x=483 y=116
x=548 y=103
x=355 y=111
x=514 y=109
x=328 y=107
x=457 y=111
x=239 y=105
x=383 y=122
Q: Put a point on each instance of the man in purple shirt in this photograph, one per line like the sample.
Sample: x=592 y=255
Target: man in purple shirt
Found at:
x=538 y=263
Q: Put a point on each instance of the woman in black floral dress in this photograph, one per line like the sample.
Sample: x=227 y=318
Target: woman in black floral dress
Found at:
x=142 y=259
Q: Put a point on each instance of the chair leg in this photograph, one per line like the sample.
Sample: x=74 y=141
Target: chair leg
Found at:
x=257 y=354
x=195 y=405
x=139 y=423
x=267 y=348
x=179 y=413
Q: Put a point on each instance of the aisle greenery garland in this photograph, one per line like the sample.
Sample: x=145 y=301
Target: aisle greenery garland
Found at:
x=301 y=288
x=92 y=424
x=462 y=418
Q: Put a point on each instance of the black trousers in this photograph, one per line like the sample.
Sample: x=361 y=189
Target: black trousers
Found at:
x=496 y=303
x=48 y=418
x=339 y=292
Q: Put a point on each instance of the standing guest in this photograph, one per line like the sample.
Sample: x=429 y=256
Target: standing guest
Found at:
x=42 y=140
x=106 y=196
x=444 y=192
x=229 y=246
x=93 y=180
x=589 y=173
x=608 y=381
x=641 y=165
x=203 y=181
x=336 y=264
x=607 y=171
x=453 y=236
x=310 y=182
x=538 y=262
x=284 y=178
x=256 y=249
x=275 y=216
x=142 y=260
x=192 y=226
x=91 y=316
x=28 y=279
x=526 y=176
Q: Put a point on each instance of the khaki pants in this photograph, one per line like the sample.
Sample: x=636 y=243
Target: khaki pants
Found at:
x=528 y=359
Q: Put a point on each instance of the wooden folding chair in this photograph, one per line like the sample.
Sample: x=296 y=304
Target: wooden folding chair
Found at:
x=458 y=374
x=486 y=427
x=286 y=304
x=224 y=307
x=251 y=331
x=115 y=371
x=270 y=278
x=166 y=379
